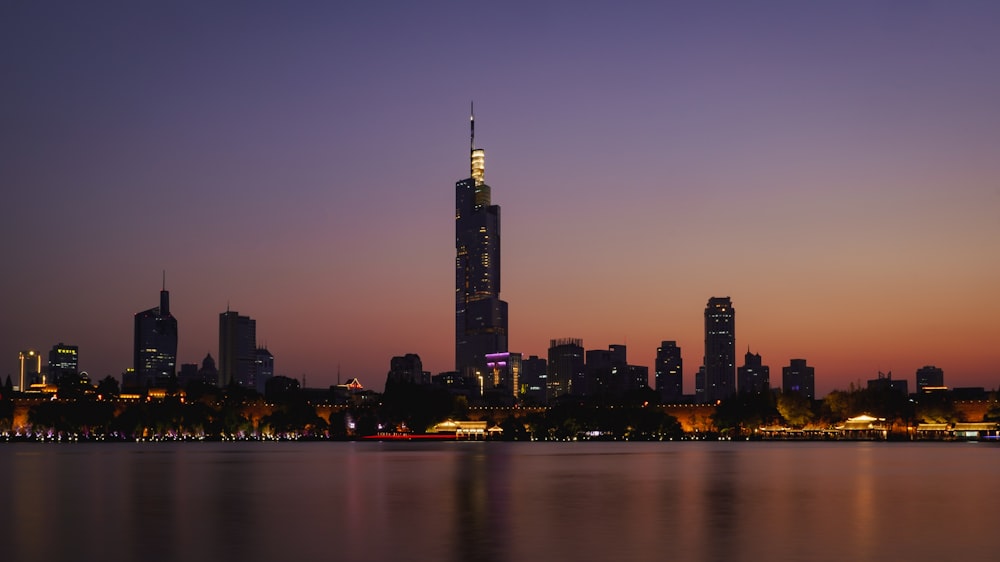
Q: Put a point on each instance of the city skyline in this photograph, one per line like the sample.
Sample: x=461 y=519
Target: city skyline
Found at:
x=830 y=168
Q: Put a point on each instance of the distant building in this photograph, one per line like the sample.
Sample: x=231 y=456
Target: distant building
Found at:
x=64 y=361
x=800 y=378
x=929 y=375
x=699 y=386
x=885 y=381
x=237 y=350
x=720 y=349
x=503 y=371
x=566 y=365
x=30 y=369
x=753 y=377
x=668 y=373
x=208 y=373
x=408 y=369
x=605 y=373
x=155 y=344
x=533 y=378
x=263 y=368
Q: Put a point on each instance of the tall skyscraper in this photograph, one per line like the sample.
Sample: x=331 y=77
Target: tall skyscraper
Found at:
x=669 y=372
x=480 y=315
x=720 y=349
x=263 y=368
x=800 y=378
x=237 y=350
x=754 y=377
x=155 y=343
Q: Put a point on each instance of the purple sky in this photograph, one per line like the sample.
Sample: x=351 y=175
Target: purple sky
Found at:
x=834 y=167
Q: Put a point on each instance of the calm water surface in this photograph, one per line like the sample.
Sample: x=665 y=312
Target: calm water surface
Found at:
x=500 y=501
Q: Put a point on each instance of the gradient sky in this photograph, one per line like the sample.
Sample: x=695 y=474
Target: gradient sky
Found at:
x=834 y=167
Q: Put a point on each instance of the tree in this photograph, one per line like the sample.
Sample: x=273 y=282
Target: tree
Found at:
x=795 y=409
x=108 y=387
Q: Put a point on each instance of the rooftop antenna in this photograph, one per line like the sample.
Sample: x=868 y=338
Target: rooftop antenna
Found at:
x=338 y=374
x=164 y=280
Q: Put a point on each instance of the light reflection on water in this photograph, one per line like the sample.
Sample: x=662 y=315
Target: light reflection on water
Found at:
x=495 y=502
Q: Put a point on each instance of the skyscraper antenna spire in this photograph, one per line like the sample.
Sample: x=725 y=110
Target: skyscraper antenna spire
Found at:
x=164 y=280
x=472 y=126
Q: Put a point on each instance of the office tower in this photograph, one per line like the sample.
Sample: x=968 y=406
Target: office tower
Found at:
x=263 y=368
x=699 y=385
x=799 y=378
x=63 y=361
x=566 y=365
x=929 y=376
x=408 y=369
x=237 y=350
x=754 y=377
x=480 y=315
x=885 y=382
x=720 y=349
x=533 y=379
x=30 y=368
x=669 y=368
x=155 y=344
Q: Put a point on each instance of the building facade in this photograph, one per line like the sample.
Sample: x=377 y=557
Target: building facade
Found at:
x=155 y=344
x=566 y=365
x=800 y=378
x=237 y=350
x=929 y=376
x=720 y=349
x=64 y=361
x=753 y=377
x=480 y=315
x=669 y=373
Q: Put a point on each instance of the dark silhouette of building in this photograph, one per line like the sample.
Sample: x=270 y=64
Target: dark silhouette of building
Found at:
x=263 y=368
x=155 y=344
x=64 y=361
x=533 y=379
x=720 y=349
x=669 y=373
x=800 y=378
x=237 y=350
x=480 y=315
x=566 y=366
x=699 y=385
x=884 y=381
x=929 y=375
x=208 y=373
x=408 y=369
x=753 y=377
x=605 y=373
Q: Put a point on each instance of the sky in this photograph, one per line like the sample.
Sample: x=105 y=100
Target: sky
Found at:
x=831 y=166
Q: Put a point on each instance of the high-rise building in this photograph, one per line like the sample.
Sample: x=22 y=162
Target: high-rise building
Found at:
x=63 y=361
x=155 y=344
x=720 y=349
x=753 y=377
x=668 y=374
x=800 y=378
x=30 y=368
x=480 y=315
x=929 y=376
x=504 y=373
x=566 y=365
x=237 y=350
x=263 y=368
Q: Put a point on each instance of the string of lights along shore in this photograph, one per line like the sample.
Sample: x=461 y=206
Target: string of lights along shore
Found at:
x=485 y=369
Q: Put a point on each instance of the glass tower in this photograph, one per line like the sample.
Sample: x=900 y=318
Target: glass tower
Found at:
x=480 y=315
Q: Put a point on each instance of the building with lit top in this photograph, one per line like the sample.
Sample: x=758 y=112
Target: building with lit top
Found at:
x=29 y=368
x=480 y=315
x=64 y=360
x=504 y=373
x=720 y=349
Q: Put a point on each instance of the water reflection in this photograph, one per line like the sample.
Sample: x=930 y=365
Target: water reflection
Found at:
x=498 y=502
